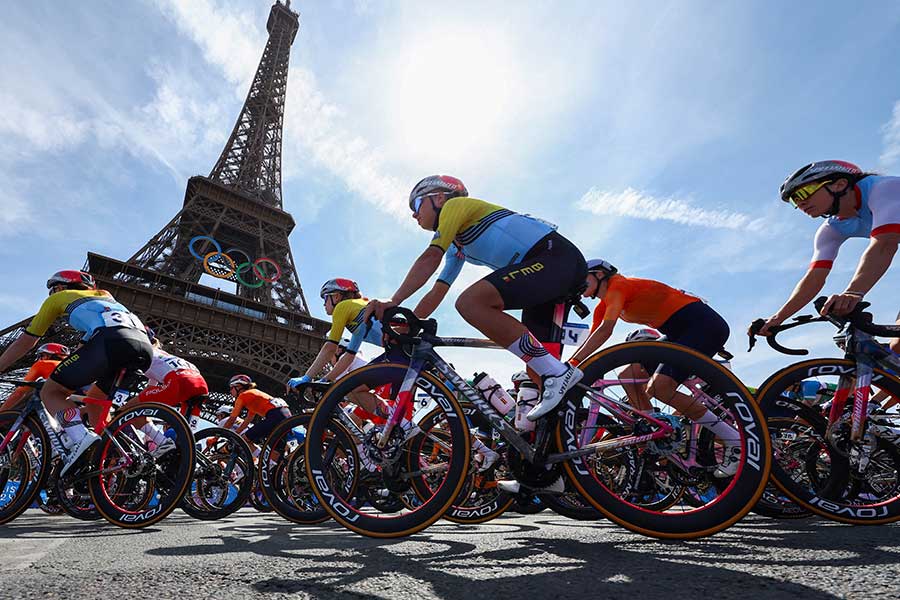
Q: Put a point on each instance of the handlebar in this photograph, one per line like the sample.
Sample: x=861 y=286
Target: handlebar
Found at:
x=858 y=318
x=416 y=325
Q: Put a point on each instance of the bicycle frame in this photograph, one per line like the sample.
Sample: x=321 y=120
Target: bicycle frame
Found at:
x=423 y=354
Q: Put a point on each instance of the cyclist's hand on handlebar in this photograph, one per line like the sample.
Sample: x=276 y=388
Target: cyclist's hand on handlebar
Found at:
x=377 y=308
x=840 y=304
x=764 y=330
x=298 y=381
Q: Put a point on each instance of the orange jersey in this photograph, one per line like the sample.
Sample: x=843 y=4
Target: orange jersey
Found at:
x=642 y=301
x=257 y=403
x=41 y=369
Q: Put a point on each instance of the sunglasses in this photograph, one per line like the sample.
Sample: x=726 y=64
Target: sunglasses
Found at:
x=806 y=191
x=416 y=203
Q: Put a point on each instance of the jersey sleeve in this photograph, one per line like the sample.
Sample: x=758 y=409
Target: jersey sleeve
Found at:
x=454 y=214
x=599 y=311
x=48 y=313
x=827 y=242
x=339 y=319
x=238 y=405
x=356 y=339
x=454 y=259
x=33 y=373
x=884 y=202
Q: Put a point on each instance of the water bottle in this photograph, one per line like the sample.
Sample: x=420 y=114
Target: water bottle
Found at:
x=494 y=393
x=527 y=398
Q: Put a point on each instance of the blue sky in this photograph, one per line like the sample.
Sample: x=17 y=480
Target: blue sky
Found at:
x=654 y=134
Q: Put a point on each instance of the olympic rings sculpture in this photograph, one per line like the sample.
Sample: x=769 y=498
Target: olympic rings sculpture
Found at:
x=220 y=264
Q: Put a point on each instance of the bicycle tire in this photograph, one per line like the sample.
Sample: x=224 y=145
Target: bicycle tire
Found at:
x=479 y=501
x=286 y=475
x=343 y=510
x=209 y=478
x=36 y=478
x=823 y=501
x=731 y=504
x=177 y=469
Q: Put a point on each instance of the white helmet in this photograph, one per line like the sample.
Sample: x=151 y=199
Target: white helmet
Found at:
x=643 y=335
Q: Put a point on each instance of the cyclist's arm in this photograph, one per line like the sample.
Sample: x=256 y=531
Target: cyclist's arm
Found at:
x=19 y=348
x=325 y=356
x=341 y=365
x=805 y=291
x=454 y=259
x=419 y=273
x=597 y=338
x=874 y=262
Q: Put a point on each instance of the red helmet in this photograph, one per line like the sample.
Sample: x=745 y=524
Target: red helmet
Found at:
x=239 y=380
x=70 y=277
x=338 y=285
x=54 y=349
x=451 y=186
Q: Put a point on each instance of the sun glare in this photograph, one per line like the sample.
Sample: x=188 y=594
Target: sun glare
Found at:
x=451 y=101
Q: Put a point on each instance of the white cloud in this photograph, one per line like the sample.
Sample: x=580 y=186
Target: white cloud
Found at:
x=37 y=129
x=13 y=213
x=890 y=155
x=638 y=205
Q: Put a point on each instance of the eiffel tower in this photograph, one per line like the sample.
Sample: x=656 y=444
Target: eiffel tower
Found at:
x=231 y=226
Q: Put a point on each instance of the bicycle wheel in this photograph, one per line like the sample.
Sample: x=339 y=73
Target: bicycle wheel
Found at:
x=73 y=496
x=612 y=478
x=223 y=476
x=135 y=488
x=480 y=499
x=403 y=457
x=813 y=469
x=24 y=464
x=284 y=481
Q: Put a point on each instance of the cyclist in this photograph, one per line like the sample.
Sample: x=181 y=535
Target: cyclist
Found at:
x=48 y=356
x=173 y=381
x=685 y=319
x=346 y=305
x=114 y=339
x=258 y=404
x=534 y=267
x=855 y=204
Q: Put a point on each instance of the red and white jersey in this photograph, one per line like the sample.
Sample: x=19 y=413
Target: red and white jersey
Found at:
x=165 y=363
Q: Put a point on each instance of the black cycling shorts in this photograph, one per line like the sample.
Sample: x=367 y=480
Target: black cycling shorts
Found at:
x=551 y=271
x=696 y=326
x=102 y=357
x=260 y=431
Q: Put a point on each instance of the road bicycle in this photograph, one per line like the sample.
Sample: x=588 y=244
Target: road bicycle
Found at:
x=129 y=485
x=604 y=471
x=840 y=459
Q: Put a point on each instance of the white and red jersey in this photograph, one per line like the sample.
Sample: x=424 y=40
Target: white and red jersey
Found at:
x=164 y=363
x=878 y=206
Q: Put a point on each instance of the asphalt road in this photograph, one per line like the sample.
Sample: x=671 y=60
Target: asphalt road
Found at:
x=251 y=555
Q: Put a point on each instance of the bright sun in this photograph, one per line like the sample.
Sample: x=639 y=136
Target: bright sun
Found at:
x=450 y=102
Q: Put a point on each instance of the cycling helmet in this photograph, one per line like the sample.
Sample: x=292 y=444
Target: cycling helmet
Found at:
x=239 y=380
x=520 y=377
x=451 y=186
x=643 y=335
x=54 y=349
x=224 y=409
x=338 y=285
x=69 y=278
x=598 y=264
x=821 y=171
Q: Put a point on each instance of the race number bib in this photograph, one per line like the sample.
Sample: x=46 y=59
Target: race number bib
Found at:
x=116 y=318
x=574 y=334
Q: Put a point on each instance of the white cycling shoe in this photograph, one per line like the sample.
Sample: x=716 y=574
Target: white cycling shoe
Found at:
x=555 y=389
x=89 y=439
x=487 y=460
x=731 y=458
x=511 y=486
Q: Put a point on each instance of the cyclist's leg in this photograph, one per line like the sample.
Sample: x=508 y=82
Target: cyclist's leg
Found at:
x=636 y=392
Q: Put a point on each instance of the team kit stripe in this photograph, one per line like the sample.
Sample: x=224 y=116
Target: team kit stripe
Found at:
x=821 y=264
x=530 y=347
x=889 y=228
x=474 y=232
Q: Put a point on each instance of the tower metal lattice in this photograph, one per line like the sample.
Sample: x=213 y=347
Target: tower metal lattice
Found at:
x=231 y=225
